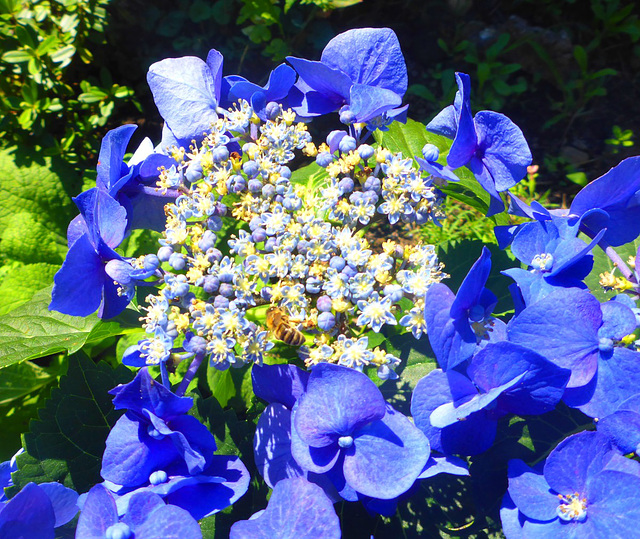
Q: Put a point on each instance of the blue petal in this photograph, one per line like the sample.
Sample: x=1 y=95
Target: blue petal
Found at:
x=282 y=383
x=612 y=509
x=450 y=465
x=531 y=493
x=79 y=296
x=338 y=400
x=505 y=151
x=272 y=446
x=623 y=429
x=98 y=513
x=186 y=94
x=614 y=192
x=314 y=459
x=140 y=506
x=168 y=521
x=368 y=102
x=540 y=386
x=389 y=456
x=369 y=56
x=297 y=509
x=575 y=459
x=471 y=289
x=618 y=320
x=445 y=123
x=562 y=327
x=111 y=165
x=465 y=143
x=64 y=501
x=332 y=84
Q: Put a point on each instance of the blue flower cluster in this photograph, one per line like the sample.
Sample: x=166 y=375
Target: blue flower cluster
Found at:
x=252 y=253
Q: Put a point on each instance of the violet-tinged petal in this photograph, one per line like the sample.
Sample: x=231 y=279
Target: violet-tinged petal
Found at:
x=105 y=217
x=620 y=463
x=28 y=514
x=570 y=464
x=111 y=165
x=184 y=90
x=445 y=123
x=506 y=154
x=168 y=522
x=540 y=383
x=512 y=520
x=281 y=383
x=618 y=320
x=453 y=341
x=469 y=437
x=617 y=379
x=615 y=193
x=331 y=83
x=338 y=401
x=73 y=296
x=367 y=102
x=562 y=327
x=214 y=63
x=113 y=303
x=486 y=181
x=437 y=170
x=447 y=464
x=206 y=498
x=313 y=459
x=272 y=446
x=131 y=454
x=612 y=509
x=623 y=429
x=472 y=286
x=98 y=513
x=63 y=500
x=144 y=393
x=450 y=413
x=530 y=492
x=389 y=456
x=297 y=510
x=140 y=506
x=370 y=56
x=147 y=209
x=465 y=142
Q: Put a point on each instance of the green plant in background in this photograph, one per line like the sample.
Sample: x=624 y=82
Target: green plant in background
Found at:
x=47 y=53
x=620 y=139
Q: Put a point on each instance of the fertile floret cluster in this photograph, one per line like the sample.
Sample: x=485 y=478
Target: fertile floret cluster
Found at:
x=300 y=251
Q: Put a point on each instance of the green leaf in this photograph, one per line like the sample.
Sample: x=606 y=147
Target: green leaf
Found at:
x=67 y=442
x=312 y=176
x=221 y=385
x=20 y=379
x=602 y=263
x=15 y=418
x=32 y=331
x=20 y=282
x=16 y=57
x=64 y=55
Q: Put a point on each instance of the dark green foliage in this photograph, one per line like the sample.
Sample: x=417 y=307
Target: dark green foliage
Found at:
x=66 y=443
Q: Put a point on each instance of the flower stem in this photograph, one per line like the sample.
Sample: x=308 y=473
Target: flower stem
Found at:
x=191 y=372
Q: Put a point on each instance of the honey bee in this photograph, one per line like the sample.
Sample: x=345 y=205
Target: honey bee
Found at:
x=283 y=329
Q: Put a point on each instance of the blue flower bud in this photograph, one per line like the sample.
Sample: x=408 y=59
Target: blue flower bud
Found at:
x=372 y=184
x=164 y=253
x=324 y=304
x=326 y=321
x=337 y=263
x=153 y=433
x=255 y=186
x=177 y=261
x=214 y=255
x=370 y=197
x=221 y=210
x=272 y=110
x=211 y=284
x=324 y=159
x=119 y=530
x=347 y=144
x=355 y=196
x=314 y=285
x=250 y=168
x=159 y=476
x=194 y=171
x=349 y=272
x=207 y=241
x=268 y=191
x=238 y=184
x=266 y=293
x=365 y=151
x=221 y=153
x=220 y=302
x=346 y=185
x=270 y=245
x=214 y=224
x=151 y=262
x=285 y=171
x=430 y=152
x=346 y=116
x=292 y=203
x=259 y=235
